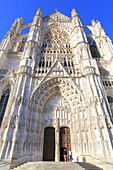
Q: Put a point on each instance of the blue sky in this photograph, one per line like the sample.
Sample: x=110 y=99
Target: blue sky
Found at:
x=87 y=10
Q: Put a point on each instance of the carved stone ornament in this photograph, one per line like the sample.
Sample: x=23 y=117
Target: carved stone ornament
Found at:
x=19 y=100
x=89 y=70
x=94 y=101
x=100 y=119
x=108 y=122
x=13 y=77
x=5 y=123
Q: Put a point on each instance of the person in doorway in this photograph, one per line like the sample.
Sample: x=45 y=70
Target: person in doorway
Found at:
x=65 y=155
x=70 y=155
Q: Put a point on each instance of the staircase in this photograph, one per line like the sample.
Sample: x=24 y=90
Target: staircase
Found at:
x=57 y=166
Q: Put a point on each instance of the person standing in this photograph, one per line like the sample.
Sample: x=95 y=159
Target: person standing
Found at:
x=65 y=155
x=70 y=155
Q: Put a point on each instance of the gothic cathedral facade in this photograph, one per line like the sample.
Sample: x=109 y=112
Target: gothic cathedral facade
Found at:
x=56 y=89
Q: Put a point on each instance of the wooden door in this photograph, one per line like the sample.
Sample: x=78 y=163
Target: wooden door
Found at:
x=65 y=142
x=49 y=144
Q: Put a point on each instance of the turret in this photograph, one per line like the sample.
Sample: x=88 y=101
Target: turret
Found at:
x=75 y=18
x=38 y=17
x=78 y=38
x=32 y=43
x=35 y=28
x=9 y=40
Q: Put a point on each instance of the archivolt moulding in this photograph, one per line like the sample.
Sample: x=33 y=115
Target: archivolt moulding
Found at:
x=51 y=86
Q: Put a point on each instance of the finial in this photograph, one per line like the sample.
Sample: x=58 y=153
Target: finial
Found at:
x=96 y=22
x=56 y=10
x=39 y=12
x=74 y=13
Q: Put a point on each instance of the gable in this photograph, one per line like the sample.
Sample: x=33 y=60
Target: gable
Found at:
x=57 y=70
x=56 y=16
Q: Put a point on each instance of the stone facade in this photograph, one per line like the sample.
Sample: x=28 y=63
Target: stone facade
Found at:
x=57 y=75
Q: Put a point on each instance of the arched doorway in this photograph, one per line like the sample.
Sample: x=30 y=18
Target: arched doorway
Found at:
x=49 y=144
x=65 y=141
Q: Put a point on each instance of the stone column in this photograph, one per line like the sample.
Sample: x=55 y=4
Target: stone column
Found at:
x=57 y=143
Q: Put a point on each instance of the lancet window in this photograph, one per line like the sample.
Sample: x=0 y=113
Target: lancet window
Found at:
x=93 y=48
x=3 y=103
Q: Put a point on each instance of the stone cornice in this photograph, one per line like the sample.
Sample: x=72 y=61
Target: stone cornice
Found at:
x=26 y=70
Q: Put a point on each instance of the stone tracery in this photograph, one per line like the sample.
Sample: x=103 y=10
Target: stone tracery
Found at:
x=55 y=38
x=56 y=45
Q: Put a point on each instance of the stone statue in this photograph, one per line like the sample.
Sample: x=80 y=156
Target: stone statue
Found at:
x=12 y=77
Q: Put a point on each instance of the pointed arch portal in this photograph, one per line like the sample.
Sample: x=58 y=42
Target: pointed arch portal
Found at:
x=56 y=112
x=55 y=101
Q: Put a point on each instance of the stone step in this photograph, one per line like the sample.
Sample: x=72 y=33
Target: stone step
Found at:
x=57 y=166
x=49 y=166
x=88 y=166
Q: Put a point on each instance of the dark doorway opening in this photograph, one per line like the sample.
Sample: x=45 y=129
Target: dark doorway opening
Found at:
x=61 y=153
x=49 y=144
x=65 y=142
